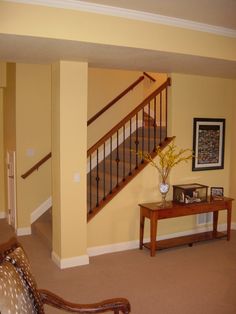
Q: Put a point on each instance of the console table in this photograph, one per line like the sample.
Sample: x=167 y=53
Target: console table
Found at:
x=155 y=212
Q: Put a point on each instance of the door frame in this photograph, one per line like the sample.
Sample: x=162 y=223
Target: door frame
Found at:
x=11 y=188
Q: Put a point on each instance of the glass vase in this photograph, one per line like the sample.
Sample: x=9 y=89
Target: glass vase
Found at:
x=164 y=187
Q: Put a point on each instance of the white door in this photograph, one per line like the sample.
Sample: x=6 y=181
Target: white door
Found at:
x=11 y=187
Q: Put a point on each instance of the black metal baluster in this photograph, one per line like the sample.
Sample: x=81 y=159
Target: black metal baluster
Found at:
x=97 y=178
x=136 y=142
x=111 y=165
x=166 y=111
x=104 y=171
x=130 y=146
x=143 y=125
x=155 y=123
x=124 y=152
x=160 y=117
x=90 y=183
x=149 y=120
x=117 y=158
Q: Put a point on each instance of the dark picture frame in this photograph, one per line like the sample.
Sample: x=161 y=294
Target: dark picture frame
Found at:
x=208 y=144
x=217 y=192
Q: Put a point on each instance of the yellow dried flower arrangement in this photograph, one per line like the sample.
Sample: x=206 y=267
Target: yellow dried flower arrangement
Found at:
x=168 y=158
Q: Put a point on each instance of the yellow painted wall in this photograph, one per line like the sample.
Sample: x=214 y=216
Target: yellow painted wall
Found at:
x=90 y=27
x=10 y=109
x=191 y=96
x=103 y=86
x=33 y=132
x=195 y=96
x=3 y=74
x=233 y=156
x=106 y=84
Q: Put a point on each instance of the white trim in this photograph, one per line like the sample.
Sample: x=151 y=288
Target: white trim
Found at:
x=124 y=246
x=132 y=14
x=70 y=262
x=3 y=215
x=23 y=231
x=39 y=211
x=111 y=248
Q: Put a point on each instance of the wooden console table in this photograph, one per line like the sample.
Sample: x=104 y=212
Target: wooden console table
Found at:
x=154 y=212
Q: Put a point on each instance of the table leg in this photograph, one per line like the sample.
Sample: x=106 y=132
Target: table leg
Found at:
x=215 y=223
x=142 y=221
x=229 y=211
x=153 y=234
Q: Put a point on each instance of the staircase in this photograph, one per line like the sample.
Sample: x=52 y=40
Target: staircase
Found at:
x=113 y=160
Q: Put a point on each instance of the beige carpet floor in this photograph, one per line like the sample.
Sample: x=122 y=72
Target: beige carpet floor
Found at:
x=185 y=280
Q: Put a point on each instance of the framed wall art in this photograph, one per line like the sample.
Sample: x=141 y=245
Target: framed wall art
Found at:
x=217 y=193
x=208 y=144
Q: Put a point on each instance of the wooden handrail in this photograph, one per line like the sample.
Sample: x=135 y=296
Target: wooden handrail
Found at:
x=128 y=117
x=149 y=76
x=36 y=166
x=111 y=103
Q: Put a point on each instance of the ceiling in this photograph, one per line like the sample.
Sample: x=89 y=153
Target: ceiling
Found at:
x=215 y=12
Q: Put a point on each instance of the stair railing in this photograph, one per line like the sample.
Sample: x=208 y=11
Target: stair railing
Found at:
x=121 y=95
x=36 y=166
x=149 y=76
x=91 y=120
x=114 y=159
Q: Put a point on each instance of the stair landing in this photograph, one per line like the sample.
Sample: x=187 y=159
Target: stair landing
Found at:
x=42 y=227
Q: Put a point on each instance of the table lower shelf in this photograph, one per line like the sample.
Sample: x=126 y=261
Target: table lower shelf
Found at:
x=189 y=240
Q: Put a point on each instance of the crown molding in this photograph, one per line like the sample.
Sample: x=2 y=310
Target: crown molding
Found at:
x=132 y=14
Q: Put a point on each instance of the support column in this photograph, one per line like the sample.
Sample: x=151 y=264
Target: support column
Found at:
x=69 y=163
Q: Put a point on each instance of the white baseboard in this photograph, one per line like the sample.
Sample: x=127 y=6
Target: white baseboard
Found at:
x=3 y=215
x=34 y=216
x=23 y=231
x=112 y=248
x=124 y=246
x=39 y=211
x=70 y=262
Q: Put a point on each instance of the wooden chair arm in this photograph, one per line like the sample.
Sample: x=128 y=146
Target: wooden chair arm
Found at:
x=116 y=305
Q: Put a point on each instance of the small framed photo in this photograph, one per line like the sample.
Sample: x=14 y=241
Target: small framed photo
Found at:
x=217 y=193
x=208 y=144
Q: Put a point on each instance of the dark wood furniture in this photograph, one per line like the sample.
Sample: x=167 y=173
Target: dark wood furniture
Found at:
x=155 y=212
x=20 y=289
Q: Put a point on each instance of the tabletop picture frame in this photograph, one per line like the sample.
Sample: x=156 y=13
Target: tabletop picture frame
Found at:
x=217 y=192
x=208 y=144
